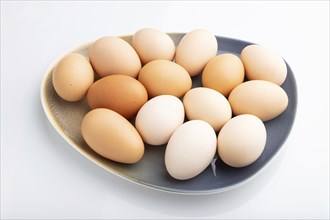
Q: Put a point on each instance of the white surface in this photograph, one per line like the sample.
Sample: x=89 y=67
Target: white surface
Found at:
x=43 y=177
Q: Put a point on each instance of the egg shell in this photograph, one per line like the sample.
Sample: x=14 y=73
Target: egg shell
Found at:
x=153 y=44
x=223 y=73
x=163 y=77
x=195 y=50
x=190 y=149
x=242 y=140
x=113 y=55
x=208 y=105
x=158 y=118
x=72 y=77
x=123 y=94
x=262 y=63
x=264 y=99
x=112 y=136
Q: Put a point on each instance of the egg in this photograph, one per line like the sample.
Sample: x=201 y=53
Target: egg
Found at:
x=208 y=105
x=263 y=99
x=195 y=50
x=223 y=73
x=113 y=55
x=262 y=63
x=72 y=77
x=122 y=94
x=190 y=149
x=163 y=77
x=153 y=44
x=112 y=136
x=158 y=118
x=242 y=140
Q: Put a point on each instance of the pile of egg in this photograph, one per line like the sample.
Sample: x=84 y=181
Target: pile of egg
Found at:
x=144 y=94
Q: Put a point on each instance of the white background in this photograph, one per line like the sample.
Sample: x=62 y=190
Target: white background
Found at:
x=44 y=177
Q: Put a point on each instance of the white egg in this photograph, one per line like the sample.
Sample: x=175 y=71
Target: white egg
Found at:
x=158 y=118
x=190 y=149
x=153 y=44
x=262 y=63
x=195 y=50
x=242 y=140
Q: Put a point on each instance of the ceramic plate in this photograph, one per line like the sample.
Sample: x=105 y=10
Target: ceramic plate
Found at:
x=66 y=118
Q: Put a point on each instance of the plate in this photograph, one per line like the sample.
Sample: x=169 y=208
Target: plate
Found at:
x=66 y=118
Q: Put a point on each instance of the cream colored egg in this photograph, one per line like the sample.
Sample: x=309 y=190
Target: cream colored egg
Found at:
x=223 y=73
x=208 y=105
x=264 y=99
x=72 y=77
x=158 y=118
x=164 y=77
x=242 y=140
x=153 y=44
x=262 y=63
x=195 y=50
x=112 y=136
x=113 y=55
x=190 y=149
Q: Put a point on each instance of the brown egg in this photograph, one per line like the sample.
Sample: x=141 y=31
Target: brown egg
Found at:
x=122 y=94
x=163 y=77
x=261 y=98
x=72 y=77
x=223 y=73
x=113 y=55
x=209 y=105
x=152 y=44
x=112 y=136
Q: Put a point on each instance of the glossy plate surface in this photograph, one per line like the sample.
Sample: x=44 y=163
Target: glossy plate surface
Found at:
x=66 y=118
